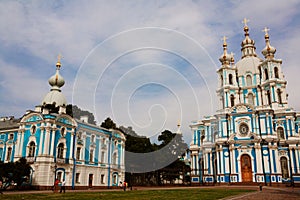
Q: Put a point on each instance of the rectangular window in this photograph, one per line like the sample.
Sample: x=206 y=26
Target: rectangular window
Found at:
x=59 y=175
x=102 y=178
x=102 y=156
x=9 y=150
x=78 y=153
x=91 y=155
x=77 y=178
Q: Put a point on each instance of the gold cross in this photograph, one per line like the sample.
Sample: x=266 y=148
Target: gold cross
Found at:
x=59 y=57
x=224 y=39
x=266 y=30
x=245 y=21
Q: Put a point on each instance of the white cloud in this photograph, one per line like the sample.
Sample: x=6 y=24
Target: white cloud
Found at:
x=42 y=29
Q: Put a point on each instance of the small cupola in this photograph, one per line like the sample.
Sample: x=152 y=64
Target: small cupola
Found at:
x=268 y=51
x=225 y=58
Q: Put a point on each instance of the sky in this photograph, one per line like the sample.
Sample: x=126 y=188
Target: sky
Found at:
x=145 y=64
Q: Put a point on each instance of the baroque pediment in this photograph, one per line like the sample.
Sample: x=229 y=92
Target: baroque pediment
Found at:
x=242 y=108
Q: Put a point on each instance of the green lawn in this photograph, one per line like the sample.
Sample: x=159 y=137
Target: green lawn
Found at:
x=189 y=194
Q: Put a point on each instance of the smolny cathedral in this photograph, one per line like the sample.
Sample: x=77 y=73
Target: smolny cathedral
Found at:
x=254 y=136
x=58 y=146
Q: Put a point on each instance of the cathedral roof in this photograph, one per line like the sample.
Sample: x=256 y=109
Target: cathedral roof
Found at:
x=249 y=61
x=55 y=96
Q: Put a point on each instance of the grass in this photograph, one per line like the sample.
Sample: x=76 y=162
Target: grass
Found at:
x=190 y=194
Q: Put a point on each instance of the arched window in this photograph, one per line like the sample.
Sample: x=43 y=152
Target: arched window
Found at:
x=269 y=97
x=232 y=100
x=31 y=150
x=114 y=159
x=260 y=75
x=63 y=131
x=230 y=79
x=249 y=80
x=266 y=74
x=279 y=96
x=60 y=151
x=221 y=80
x=93 y=138
x=250 y=99
x=276 y=72
x=284 y=167
x=280 y=133
x=33 y=129
x=79 y=135
x=223 y=103
x=9 y=150
x=115 y=177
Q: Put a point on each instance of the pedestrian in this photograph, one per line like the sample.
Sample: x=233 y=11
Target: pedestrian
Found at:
x=63 y=186
x=1 y=184
x=121 y=184
x=124 y=185
x=55 y=186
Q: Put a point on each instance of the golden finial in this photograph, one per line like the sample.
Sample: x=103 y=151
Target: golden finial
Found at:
x=245 y=21
x=58 y=60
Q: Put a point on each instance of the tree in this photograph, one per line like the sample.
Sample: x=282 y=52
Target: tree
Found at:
x=76 y=112
x=108 y=124
x=175 y=148
x=14 y=172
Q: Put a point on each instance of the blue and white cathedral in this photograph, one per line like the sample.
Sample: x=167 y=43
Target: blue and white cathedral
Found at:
x=58 y=146
x=254 y=136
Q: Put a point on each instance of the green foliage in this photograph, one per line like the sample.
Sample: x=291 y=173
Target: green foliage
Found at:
x=76 y=112
x=108 y=124
x=15 y=172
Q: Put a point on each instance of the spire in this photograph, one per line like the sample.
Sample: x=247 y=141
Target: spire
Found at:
x=55 y=96
x=248 y=48
x=58 y=64
x=268 y=51
x=225 y=58
x=57 y=81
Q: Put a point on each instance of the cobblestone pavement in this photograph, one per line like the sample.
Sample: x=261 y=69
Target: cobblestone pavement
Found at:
x=270 y=193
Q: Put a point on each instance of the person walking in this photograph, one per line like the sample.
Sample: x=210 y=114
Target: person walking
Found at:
x=63 y=186
x=55 y=186
x=124 y=185
x=1 y=184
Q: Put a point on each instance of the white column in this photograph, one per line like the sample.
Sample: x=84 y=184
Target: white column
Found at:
x=46 y=141
x=71 y=145
x=40 y=152
x=258 y=158
x=52 y=143
x=233 y=165
x=222 y=161
x=218 y=160
x=297 y=159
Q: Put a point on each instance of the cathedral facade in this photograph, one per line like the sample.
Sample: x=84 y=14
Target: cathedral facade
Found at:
x=58 y=146
x=254 y=136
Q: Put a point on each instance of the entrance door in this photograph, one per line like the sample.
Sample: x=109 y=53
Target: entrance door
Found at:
x=90 y=180
x=246 y=168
